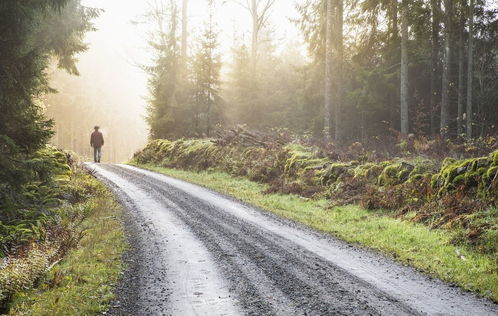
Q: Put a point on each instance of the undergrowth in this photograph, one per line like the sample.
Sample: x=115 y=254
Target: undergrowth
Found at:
x=42 y=224
x=83 y=282
x=456 y=195
x=430 y=250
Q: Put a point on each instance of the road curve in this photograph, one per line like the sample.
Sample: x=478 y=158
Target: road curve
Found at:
x=196 y=252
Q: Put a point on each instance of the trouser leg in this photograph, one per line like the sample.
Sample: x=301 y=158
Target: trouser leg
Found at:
x=95 y=154
x=99 y=154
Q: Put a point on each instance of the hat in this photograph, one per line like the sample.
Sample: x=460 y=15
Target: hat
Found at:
x=96 y=126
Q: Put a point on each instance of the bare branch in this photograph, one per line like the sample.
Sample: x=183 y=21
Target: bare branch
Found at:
x=242 y=4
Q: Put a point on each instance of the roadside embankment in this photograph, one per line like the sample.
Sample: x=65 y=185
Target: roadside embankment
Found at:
x=438 y=216
x=62 y=250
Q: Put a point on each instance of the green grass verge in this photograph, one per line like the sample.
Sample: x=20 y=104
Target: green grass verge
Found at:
x=83 y=282
x=415 y=244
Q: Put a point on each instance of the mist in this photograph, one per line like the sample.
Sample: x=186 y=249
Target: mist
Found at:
x=373 y=123
x=111 y=89
x=139 y=81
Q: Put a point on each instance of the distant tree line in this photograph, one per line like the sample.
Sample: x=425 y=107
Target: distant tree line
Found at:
x=428 y=67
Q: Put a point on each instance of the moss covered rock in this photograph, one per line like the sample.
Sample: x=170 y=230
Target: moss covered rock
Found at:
x=474 y=174
x=395 y=173
x=334 y=172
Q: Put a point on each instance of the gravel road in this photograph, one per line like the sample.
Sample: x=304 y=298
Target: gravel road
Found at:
x=197 y=252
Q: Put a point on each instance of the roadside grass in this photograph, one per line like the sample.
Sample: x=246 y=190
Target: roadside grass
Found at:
x=83 y=282
x=429 y=250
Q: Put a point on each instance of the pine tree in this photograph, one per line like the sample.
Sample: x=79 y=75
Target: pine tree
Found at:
x=339 y=47
x=184 y=29
x=329 y=69
x=165 y=117
x=435 y=91
x=239 y=93
x=447 y=68
x=206 y=79
x=404 y=67
x=31 y=38
x=470 y=70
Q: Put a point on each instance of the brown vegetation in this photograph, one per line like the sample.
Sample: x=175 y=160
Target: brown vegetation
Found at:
x=413 y=180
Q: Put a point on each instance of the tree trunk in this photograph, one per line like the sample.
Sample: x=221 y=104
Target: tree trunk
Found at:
x=255 y=33
x=435 y=65
x=393 y=99
x=461 y=73
x=328 y=69
x=394 y=21
x=470 y=70
x=184 y=29
x=447 y=69
x=339 y=70
x=404 y=68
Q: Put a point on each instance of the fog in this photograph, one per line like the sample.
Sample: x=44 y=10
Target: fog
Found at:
x=111 y=90
x=285 y=78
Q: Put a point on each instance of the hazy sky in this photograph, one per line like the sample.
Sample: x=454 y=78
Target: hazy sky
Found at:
x=119 y=45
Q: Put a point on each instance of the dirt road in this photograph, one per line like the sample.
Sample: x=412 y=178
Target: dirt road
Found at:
x=196 y=252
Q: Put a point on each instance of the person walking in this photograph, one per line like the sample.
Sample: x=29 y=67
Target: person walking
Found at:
x=97 y=141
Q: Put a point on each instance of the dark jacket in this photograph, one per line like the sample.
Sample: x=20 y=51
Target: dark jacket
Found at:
x=97 y=139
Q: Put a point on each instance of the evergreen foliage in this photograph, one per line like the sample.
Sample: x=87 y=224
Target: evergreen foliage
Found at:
x=286 y=90
x=206 y=101
x=32 y=34
x=184 y=93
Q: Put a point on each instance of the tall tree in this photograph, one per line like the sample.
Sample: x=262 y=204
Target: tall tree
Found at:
x=339 y=47
x=373 y=66
x=164 y=118
x=184 y=29
x=447 y=68
x=470 y=70
x=435 y=94
x=404 y=67
x=260 y=13
x=461 y=69
x=329 y=58
x=31 y=38
x=206 y=78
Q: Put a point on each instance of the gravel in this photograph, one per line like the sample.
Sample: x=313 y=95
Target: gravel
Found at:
x=196 y=252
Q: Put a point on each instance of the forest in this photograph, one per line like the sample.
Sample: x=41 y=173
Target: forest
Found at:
x=371 y=68
x=370 y=120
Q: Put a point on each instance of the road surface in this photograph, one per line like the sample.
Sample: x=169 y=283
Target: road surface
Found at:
x=197 y=252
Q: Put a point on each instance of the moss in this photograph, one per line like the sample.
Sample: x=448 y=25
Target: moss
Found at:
x=370 y=171
x=469 y=173
x=447 y=161
x=479 y=163
x=388 y=175
x=445 y=178
x=300 y=159
x=403 y=174
x=418 y=177
x=334 y=172
x=460 y=179
x=423 y=166
x=493 y=158
x=395 y=173
x=490 y=174
x=298 y=155
x=295 y=162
